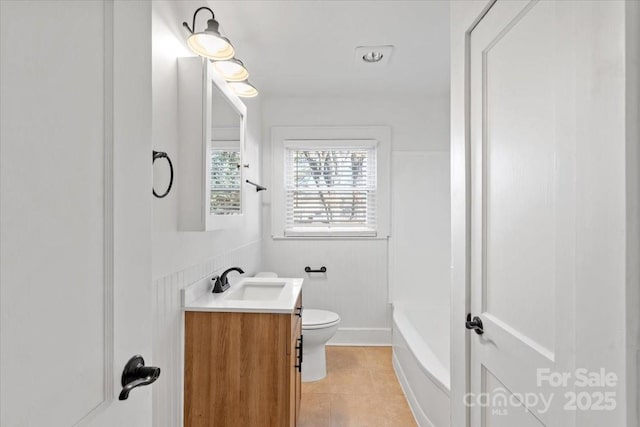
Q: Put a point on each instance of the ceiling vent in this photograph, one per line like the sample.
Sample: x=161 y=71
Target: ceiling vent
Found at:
x=373 y=55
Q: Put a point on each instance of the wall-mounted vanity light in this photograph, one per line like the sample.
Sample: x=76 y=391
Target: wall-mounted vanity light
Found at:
x=232 y=70
x=210 y=44
x=243 y=89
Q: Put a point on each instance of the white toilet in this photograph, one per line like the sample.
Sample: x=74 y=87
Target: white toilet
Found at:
x=318 y=326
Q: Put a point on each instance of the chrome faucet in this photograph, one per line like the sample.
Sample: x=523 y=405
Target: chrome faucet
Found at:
x=221 y=282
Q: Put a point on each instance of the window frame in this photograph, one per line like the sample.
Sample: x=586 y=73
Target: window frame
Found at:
x=287 y=137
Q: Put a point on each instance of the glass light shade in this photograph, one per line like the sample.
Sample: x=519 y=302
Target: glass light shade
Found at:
x=210 y=44
x=232 y=70
x=243 y=89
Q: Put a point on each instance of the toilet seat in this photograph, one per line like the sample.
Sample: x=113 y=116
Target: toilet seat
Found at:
x=319 y=319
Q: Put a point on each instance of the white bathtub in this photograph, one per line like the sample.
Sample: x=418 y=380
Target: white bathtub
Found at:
x=421 y=360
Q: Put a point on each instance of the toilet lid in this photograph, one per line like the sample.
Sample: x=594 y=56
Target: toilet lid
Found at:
x=317 y=318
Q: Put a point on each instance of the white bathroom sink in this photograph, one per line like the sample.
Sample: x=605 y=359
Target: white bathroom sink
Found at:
x=248 y=295
x=250 y=291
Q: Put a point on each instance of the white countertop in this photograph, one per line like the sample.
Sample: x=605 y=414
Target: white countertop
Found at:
x=280 y=296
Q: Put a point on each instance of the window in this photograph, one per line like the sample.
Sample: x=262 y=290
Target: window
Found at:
x=330 y=182
x=330 y=189
x=225 y=182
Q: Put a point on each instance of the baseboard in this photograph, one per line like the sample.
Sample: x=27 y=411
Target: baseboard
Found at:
x=418 y=414
x=362 y=337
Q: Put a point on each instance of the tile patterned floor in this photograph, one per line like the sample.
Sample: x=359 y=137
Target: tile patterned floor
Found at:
x=360 y=390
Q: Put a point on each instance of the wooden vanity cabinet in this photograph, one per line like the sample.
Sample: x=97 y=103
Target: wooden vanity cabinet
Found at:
x=241 y=369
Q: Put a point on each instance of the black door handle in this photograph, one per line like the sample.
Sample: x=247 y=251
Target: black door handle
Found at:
x=475 y=324
x=135 y=374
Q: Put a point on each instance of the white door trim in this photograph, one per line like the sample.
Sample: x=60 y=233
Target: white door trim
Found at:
x=462 y=26
x=633 y=210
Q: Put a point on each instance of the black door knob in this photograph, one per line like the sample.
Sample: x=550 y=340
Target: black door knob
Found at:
x=135 y=374
x=475 y=324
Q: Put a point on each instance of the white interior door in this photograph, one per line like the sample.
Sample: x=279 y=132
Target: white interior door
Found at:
x=522 y=214
x=75 y=246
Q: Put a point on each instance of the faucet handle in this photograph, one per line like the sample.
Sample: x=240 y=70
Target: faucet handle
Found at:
x=218 y=286
x=222 y=283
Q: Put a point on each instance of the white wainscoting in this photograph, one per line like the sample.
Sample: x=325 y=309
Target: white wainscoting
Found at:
x=168 y=327
x=354 y=286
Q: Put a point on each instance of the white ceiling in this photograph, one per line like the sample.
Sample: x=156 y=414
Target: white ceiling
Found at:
x=306 y=48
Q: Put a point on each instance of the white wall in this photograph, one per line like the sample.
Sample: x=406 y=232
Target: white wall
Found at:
x=181 y=258
x=419 y=248
x=356 y=284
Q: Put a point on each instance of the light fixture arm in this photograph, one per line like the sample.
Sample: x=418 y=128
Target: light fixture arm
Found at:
x=193 y=24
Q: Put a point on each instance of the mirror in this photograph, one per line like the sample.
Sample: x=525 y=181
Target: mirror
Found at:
x=225 y=156
x=212 y=131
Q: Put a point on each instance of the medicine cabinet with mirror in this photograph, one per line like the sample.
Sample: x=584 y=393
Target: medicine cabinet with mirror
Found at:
x=212 y=131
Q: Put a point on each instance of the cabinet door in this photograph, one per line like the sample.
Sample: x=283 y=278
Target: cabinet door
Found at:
x=237 y=372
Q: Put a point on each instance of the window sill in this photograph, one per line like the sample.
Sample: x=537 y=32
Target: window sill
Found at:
x=329 y=237
x=334 y=234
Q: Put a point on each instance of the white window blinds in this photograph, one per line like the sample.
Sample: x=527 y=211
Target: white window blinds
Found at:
x=225 y=182
x=330 y=190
